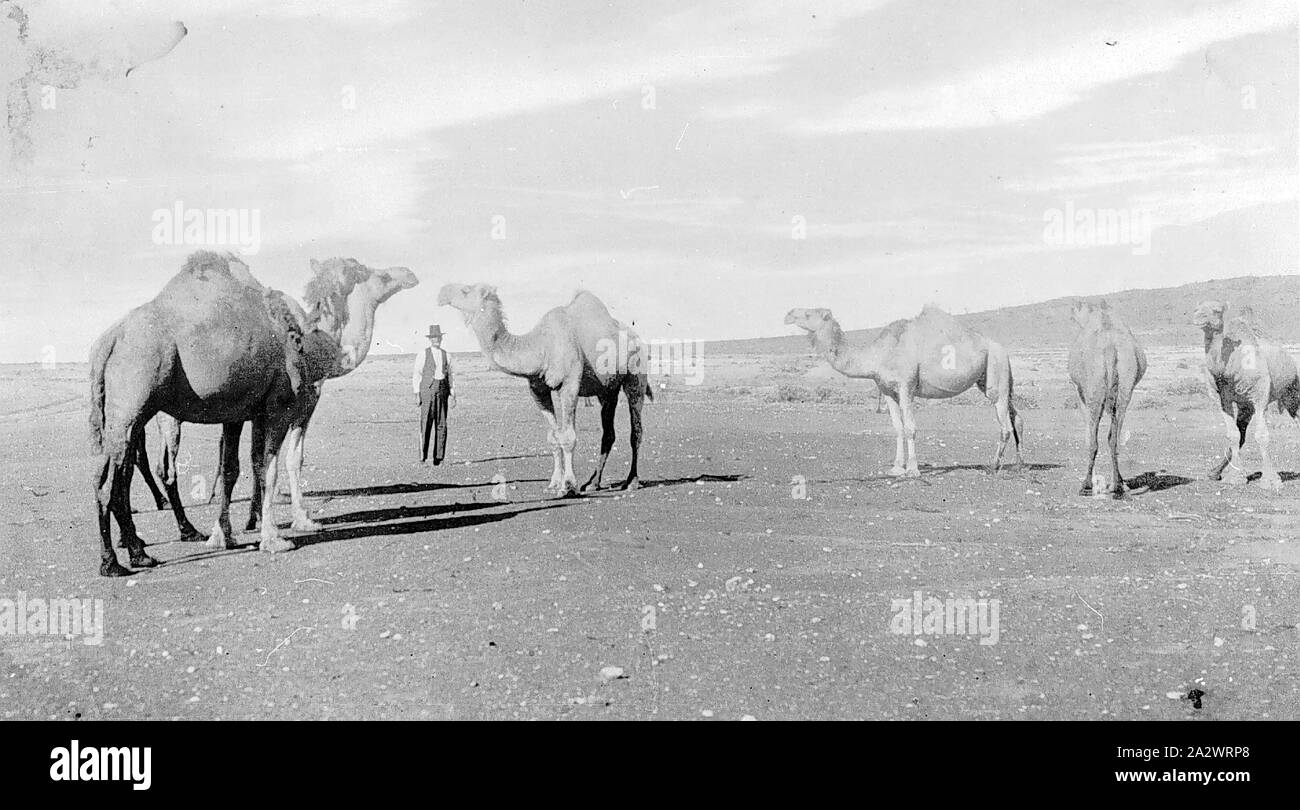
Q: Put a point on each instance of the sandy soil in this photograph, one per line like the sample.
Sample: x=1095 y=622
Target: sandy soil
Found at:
x=716 y=592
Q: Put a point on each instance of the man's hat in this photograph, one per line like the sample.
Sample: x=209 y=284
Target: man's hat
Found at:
x=435 y=331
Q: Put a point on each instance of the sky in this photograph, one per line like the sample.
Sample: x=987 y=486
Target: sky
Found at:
x=703 y=167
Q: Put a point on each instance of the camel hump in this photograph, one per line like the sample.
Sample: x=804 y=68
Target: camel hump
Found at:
x=202 y=262
x=935 y=325
x=586 y=303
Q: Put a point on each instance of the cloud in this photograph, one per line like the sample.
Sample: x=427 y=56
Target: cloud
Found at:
x=1027 y=88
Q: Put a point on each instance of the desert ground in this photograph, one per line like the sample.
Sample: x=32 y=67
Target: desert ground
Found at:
x=715 y=591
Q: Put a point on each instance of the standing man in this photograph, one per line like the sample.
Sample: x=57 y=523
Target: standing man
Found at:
x=432 y=382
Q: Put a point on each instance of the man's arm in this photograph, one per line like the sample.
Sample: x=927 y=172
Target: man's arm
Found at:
x=446 y=358
x=418 y=374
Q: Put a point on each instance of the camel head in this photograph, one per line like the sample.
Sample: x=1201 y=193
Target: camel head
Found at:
x=1209 y=315
x=338 y=286
x=808 y=319
x=342 y=297
x=470 y=299
x=1082 y=312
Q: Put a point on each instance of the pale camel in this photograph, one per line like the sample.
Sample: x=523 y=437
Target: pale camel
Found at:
x=1106 y=363
x=575 y=350
x=931 y=356
x=1246 y=373
x=206 y=350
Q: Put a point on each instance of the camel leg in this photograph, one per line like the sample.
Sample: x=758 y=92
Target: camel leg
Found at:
x=1116 y=487
x=906 y=404
x=222 y=535
x=542 y=396
x=1092 y=424
x=1269 y=479
x=103 y=483
x=1117 y=427
x=171 y=431
x=120 y=502
x=896 y=416
x=608 y=407
x=635 y=399
x=218 y=472
x=1235 y=425
x=565 y=402
x=293 y=445
x=108 y=486
x=293 y=461
x=142 y=464
x=277 y=426
x=256 y=460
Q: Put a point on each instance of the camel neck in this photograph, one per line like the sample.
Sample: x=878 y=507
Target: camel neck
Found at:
x=1212 y=336
x=499 y=346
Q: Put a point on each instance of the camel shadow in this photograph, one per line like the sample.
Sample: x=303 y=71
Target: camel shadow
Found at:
x=698 y=479
x=507 y=458
x=1154 y=482
x=403 y=489
x=380 y=528
x=401 y=513
x=944 y=469
x=425 y=525
x=1285 y=476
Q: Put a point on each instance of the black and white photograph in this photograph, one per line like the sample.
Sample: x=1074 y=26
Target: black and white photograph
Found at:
x=686 y=360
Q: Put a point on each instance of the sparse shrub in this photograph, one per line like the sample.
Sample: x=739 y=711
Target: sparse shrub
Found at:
x=791 y=393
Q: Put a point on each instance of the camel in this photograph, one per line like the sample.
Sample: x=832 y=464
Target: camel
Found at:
x=1246 y=373
x=207 y=350
x=931 y=356
x=1106 y=363
x=575 y=350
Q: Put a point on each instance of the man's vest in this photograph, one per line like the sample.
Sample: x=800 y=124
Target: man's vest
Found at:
x=426 y=374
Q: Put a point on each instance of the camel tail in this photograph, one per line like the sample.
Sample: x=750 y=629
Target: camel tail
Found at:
x=99 y=355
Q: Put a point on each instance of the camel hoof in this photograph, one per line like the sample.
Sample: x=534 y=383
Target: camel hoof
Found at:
x=897 y=471
x=912 y=474
x=143 y=560
x=1236 y=479
x=192 y=535
x=252 y=525
x=588 y=486
x=631 y=483
x=570 y=492
x=218 y=539
x=1085 y=490
x=275 y=545
x=305 y=524
x=111 y=568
